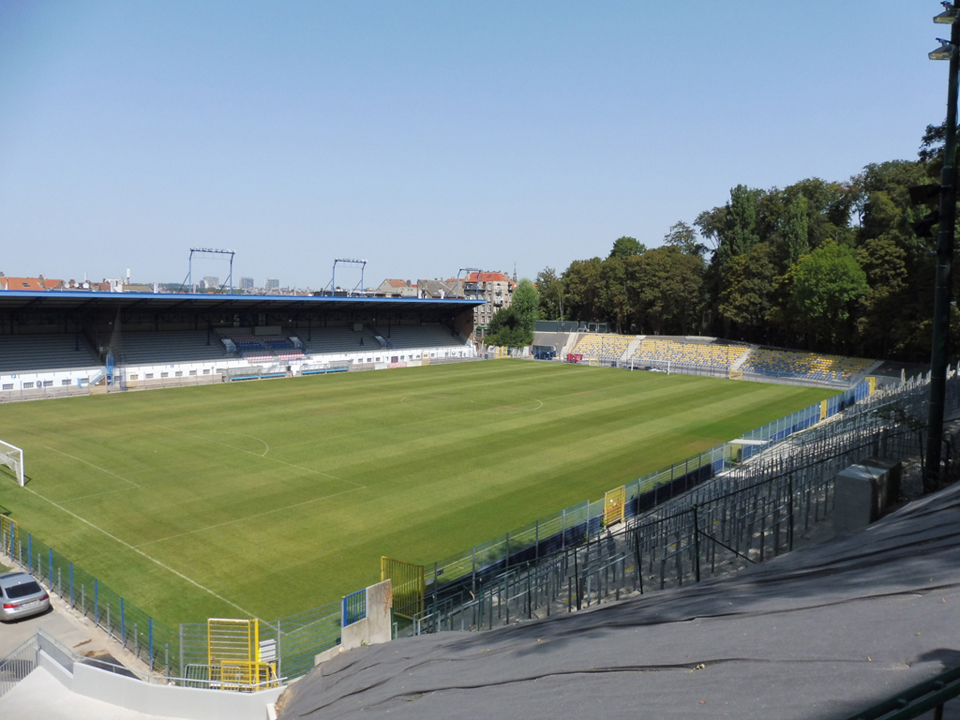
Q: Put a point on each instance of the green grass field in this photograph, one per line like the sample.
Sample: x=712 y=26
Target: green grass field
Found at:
x=268 y=498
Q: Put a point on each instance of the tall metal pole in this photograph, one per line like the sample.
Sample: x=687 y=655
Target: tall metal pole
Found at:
x=941 y=301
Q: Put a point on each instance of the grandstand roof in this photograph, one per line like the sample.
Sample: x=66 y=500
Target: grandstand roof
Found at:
x=67 y=300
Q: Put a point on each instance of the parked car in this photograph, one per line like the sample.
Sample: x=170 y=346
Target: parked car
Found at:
x=21 y=596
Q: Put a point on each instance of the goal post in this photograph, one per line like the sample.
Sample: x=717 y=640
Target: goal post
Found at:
x=12 y=457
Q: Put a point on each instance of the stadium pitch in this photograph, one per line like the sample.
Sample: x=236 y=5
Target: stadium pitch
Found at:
x=268 y=498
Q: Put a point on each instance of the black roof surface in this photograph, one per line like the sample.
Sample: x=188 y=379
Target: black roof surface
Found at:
x=81 y=299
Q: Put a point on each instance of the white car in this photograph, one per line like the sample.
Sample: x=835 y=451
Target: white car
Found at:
x=21 y=596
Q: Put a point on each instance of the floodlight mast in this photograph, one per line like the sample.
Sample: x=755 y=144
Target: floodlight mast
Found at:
x=209 y=251
x=476 y=286
x=347 y=261
x=945 y=241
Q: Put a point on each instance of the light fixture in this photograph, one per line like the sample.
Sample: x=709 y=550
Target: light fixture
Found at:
x=949 y=15
x=944 y=52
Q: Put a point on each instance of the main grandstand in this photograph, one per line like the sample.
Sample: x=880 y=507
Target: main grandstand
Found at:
x=68 y=342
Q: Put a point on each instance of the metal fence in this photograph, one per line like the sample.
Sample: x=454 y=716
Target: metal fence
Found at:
x=151 y=641
x=575 y=524
x=752 y=511
x=753 y=515
x=296 y=640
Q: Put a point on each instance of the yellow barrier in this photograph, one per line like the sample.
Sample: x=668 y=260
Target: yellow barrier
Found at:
x=614 y=506
x=409 y=585
x=233 y=655
x=9 y=534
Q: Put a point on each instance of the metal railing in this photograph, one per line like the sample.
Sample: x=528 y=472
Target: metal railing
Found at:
x=735 y=518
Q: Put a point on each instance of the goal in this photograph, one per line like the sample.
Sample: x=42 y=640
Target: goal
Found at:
x=12 y=457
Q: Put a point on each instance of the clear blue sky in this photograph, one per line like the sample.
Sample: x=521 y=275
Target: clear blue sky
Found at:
x=428 y=136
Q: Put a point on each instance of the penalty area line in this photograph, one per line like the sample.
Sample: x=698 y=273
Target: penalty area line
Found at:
x=250 y=517
x=96 y=467
x=141 y=552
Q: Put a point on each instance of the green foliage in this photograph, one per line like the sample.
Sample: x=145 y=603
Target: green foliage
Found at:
x=624 y=247
x=738 y=234
x=550 y=288
x=668 y=284
x=748 y=298
x=826 y=286
x=684 y=237
x=526 y=304
x=581 y=282
x=513 y=326
x=827 y=265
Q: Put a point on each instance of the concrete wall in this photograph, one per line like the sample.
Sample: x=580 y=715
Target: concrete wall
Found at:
x=163 y=700
x=375 y=628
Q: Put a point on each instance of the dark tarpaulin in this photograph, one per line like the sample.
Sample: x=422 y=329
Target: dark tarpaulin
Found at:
x=820 y=633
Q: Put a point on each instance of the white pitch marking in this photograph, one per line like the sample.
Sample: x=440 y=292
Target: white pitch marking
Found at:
x=248 y=452
x=250 y=517
x=141 y=552
x=252 y=437
x=85 y=462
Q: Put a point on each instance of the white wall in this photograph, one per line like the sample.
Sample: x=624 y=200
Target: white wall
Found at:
x=162 y=700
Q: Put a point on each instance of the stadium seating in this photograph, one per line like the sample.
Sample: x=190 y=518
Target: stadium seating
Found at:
x=710 y=355
x=152 y=348
x=804 y=365
x=406 y=337
x=251 y=349
x=283 y=348
x=337 y=340
x=606 y=347
x=31 y=353
x=332 y=340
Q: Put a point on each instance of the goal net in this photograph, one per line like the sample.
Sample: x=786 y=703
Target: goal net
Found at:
x=12 y=457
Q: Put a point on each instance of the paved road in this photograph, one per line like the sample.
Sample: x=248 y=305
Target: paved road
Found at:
x=68 y=627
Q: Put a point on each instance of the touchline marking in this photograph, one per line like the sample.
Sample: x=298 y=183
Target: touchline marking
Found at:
x=248 y=452
x=141 y=552
x=250 y=517
x=85 y=462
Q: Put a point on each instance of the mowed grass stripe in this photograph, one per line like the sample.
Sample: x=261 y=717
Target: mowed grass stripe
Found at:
x=241 y=485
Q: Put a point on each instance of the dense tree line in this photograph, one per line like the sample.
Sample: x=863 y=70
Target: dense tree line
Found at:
x=829 y=266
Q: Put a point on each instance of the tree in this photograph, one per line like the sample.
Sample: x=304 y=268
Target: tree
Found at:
x=550 y=288
x=748 y=297
x=794 y=230
x=739 y=232
x=684 y=237
x=827 y=285
x=513 y=326
x=526 y=304
x=625 y=246
x=580 y=283
x=668 y=285
x=612 y=293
